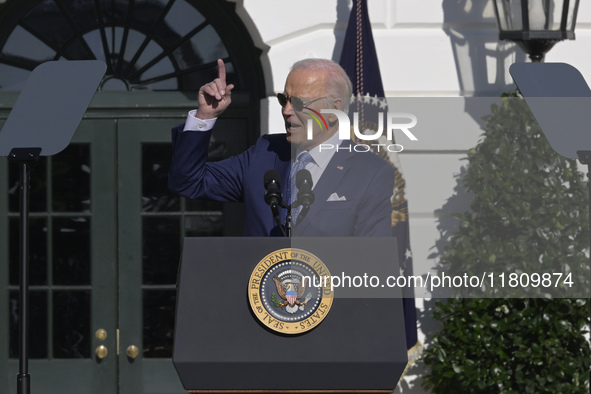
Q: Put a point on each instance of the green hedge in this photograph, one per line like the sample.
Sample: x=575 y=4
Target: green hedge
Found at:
x=529 y=214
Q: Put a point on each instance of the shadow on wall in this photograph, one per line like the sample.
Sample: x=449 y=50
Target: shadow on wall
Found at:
x=447 y=225
x=342 y=19
x=482 y=61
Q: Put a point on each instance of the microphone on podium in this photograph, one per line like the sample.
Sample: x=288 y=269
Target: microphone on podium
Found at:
x=273 y=194
x=304 y=184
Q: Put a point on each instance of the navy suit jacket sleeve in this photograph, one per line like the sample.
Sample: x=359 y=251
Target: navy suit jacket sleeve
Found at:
x=239 y=178
x=191 y=176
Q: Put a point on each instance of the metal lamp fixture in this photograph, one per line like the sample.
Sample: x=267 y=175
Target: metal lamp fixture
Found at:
x=536 y=25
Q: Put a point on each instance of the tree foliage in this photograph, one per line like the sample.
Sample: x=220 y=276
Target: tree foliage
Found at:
x=529 y=215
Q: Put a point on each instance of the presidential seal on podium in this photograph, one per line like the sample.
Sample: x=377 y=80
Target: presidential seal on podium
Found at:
x=290 y=291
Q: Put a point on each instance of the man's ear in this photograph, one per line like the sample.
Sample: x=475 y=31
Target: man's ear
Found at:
x=337 y=103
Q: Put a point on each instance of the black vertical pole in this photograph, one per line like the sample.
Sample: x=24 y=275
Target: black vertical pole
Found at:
x=23 y=377
x=288 y=223
x=24 y=156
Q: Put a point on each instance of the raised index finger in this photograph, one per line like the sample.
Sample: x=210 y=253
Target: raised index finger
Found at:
x=222 y=70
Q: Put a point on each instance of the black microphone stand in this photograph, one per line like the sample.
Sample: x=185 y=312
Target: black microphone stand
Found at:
x=274 y=198
x=288 y=223
x=305 y=196
x=303 y=213
x=286 y=230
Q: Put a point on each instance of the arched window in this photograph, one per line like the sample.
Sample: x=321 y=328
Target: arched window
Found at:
x=146 y=44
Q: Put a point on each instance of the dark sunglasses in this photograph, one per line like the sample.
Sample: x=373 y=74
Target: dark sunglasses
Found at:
x=296 y=102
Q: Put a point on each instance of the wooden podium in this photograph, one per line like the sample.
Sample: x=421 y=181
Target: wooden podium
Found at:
x=223 y=345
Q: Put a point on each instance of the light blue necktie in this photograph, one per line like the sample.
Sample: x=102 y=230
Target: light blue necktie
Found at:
x=301 y=162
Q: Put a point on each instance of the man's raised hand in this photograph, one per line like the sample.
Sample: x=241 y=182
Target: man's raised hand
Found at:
x=215 y=97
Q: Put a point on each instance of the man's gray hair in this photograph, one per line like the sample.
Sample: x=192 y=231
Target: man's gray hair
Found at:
x=338 y=84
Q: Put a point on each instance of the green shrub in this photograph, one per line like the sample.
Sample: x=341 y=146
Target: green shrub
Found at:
x=529 y=215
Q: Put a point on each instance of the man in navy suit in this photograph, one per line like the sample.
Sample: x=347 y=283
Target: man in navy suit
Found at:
x=352 y=190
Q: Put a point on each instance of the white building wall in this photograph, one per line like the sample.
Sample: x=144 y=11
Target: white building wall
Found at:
x=426 y=48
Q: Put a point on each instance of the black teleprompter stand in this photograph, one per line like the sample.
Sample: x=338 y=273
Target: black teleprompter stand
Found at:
x=42 y=122
x=24 y=157
x=560 y=99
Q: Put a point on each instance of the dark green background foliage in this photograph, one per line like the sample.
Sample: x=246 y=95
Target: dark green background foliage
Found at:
x=491 y=345
x=529 y=215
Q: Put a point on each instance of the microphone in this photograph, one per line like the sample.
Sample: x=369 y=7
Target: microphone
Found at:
x=304 y=184
x=273 y=195
x=272 y=188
